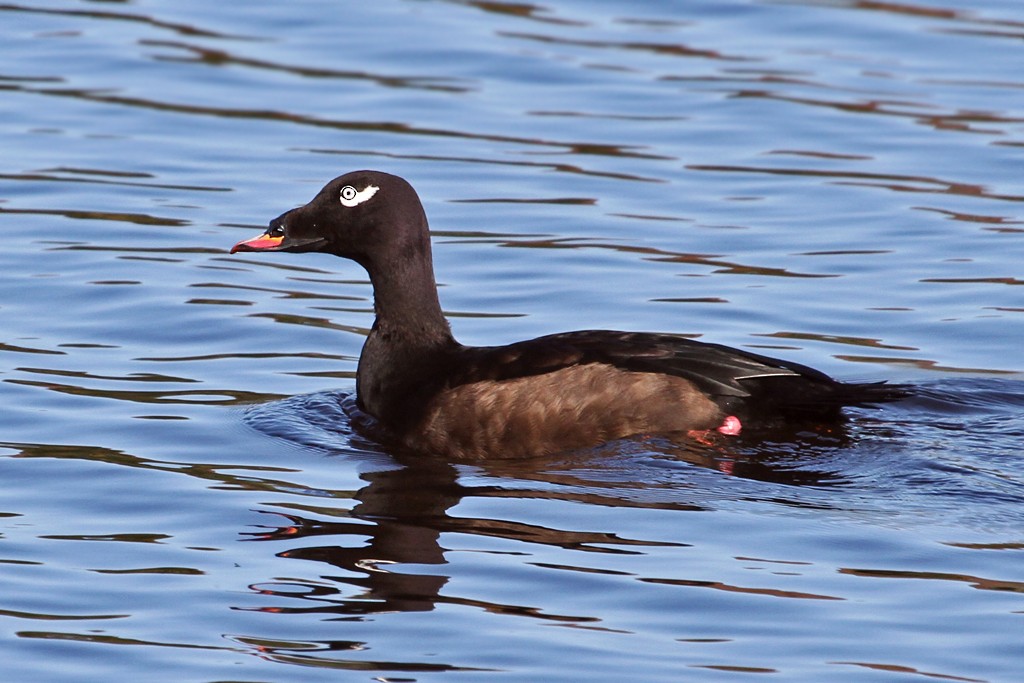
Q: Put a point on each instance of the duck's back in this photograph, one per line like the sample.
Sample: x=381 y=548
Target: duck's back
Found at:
x=579 y=389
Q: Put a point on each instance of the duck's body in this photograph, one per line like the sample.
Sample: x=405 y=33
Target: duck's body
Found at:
x=553 y=393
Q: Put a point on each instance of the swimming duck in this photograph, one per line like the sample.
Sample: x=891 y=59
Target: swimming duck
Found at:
x=431 y=394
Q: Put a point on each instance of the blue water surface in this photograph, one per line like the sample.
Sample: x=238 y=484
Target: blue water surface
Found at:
x=183 y=495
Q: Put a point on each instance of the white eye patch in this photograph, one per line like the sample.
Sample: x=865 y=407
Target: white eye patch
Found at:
x=351 y=197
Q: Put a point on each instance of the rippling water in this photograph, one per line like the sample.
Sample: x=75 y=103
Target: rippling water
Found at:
x=834 y=182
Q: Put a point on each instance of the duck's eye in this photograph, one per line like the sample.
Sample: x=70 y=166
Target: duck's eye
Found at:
x=276 y=231
x=351 y=197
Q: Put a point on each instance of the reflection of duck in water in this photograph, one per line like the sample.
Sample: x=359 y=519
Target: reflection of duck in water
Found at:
x=391 y=544
x=563 y=391
x=398 y=521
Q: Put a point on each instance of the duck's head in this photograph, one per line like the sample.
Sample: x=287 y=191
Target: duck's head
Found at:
x=365 y=216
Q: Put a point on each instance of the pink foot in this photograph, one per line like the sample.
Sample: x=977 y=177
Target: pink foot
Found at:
x=730 y=426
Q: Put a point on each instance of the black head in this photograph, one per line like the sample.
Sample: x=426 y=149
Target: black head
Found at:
x=364 y=215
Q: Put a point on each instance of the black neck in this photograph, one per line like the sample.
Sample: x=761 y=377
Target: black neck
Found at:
x=405 y=301
x=410 y=339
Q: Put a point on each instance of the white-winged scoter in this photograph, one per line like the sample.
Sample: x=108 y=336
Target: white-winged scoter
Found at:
x=429 y=393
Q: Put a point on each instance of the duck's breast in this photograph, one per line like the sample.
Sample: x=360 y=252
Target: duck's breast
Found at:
x=573 y=407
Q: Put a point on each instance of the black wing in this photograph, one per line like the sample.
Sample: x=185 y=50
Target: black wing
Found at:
x=732 y=377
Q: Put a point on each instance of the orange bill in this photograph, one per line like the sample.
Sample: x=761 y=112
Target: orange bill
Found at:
x=262 y=242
